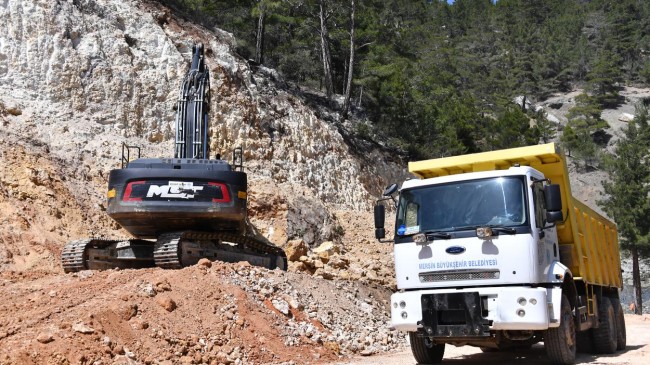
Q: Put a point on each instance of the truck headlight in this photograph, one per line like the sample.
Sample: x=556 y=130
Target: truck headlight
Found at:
x=522 y=301
x=402 y=304
x=404 y=315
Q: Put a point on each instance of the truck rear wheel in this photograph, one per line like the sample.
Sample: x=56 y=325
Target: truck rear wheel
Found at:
x=425 y=351
x=621 y=336
x=605 y=338
x=560 y=342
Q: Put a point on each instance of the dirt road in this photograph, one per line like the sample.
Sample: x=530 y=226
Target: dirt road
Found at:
x=638 y=349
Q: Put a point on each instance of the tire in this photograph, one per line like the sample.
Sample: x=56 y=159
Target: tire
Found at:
x=424 y=351
x=621 y=336
x=605 y=341
x=560 y=342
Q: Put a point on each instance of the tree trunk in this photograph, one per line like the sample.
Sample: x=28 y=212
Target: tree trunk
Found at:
x=259 y=44
x=636 y=280
x=348 y=85
x=325 y=48
x=360 y=95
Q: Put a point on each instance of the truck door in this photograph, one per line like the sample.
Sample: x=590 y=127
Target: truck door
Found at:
x=546 y=235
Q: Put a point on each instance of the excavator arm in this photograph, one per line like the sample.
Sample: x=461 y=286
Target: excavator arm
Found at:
x=192 y=110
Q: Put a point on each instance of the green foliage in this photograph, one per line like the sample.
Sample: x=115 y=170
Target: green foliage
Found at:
x=645 y=72
x=544 y=128
x=604 y=79
x=569 y=140
x=511 y=130
x=628 y=189
x=438 y=78
x=586 y=114
x=584 y=120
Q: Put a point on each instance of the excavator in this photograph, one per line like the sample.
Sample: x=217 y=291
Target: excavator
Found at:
x=182 y=209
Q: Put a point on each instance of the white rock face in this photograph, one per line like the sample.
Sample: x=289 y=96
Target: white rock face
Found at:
x=91 y=74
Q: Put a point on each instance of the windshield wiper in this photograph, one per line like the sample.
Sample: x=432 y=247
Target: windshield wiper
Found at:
x=437 y=234
x=498 y=228
x=466 y=228
x=508 y=230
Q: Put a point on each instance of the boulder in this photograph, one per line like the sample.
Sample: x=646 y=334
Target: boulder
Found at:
x=295 y=249
x=626 y=117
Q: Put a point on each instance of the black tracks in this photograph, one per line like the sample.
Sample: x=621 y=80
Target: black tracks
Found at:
x=167 y=251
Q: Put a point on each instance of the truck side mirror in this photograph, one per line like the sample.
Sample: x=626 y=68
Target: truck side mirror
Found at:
x=553 y=197
x=380 y=215
x=553 y=200
x=554 y=216
x=390 y=190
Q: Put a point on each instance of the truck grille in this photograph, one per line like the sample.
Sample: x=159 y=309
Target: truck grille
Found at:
x=429 y=277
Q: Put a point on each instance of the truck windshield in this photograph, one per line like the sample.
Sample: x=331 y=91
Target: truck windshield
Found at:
x=462 y=205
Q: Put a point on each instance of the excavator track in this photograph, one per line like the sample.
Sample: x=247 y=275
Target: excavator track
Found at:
x=73 y=255
x=101 y=253
x=166 y=253
x=180 y=249
x=173 y=250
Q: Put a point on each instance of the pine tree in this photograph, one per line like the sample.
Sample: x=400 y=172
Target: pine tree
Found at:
x=628 y=192
x=603 y=81
x=584 y=120
x=545 y=128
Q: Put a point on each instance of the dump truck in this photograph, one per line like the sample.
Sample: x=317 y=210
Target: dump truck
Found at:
x=492 y=250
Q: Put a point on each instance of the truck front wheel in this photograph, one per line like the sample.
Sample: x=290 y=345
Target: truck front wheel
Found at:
x=560 y=342
x=425 y=351
x=605 y=340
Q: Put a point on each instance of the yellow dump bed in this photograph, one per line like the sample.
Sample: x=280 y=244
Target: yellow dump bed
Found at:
x=588 y=241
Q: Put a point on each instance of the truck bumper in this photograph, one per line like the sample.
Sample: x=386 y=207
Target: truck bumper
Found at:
x=471 y=311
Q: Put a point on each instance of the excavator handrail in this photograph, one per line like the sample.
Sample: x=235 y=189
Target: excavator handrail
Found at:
x=126 y=159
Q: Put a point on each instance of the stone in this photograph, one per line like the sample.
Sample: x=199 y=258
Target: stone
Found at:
x=281 y=305
x=146 y=289
x=82 y=328
x=127 y=311
x=44 y=338
x=205 y=263
x=338 y=262
x=367 y=352
x=118 y=350
x=329 y=247
x=296 y=249
x=626 y=117
x=166 y=303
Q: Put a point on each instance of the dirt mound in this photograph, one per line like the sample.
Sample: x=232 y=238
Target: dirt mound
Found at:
x=211 y=313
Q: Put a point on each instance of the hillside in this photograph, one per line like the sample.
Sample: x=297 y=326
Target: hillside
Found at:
x=80 y=78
